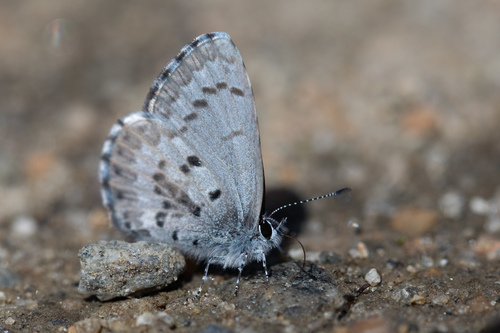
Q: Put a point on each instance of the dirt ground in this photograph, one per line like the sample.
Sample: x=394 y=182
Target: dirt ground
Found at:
x=398 y=100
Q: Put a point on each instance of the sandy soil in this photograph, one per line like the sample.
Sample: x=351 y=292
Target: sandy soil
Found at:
x=395 y=99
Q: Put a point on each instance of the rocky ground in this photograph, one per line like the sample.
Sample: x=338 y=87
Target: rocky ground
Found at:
x=396 y=99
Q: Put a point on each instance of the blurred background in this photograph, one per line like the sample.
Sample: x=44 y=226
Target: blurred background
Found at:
x=398 y=100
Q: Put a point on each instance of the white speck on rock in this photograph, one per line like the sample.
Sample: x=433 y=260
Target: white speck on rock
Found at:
x=24 y=227
x=360 y=253
x=147 y=318
x=373 y=277
x=451 y=204
x=9 y=321
x=479 y=206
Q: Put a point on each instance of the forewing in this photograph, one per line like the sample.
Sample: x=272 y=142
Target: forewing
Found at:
x=205 y=93
x=189 y=167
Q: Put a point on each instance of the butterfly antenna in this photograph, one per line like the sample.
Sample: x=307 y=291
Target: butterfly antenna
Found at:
x=344 y=195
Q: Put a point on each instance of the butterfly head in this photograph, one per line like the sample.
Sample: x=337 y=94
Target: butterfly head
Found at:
x=271 y=230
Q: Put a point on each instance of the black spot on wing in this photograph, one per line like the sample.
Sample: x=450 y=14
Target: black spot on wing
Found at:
x=184 y=168
x=163 y=76
x=162 y=164
x=106 y=158
x=194 y=161
x=237 y=92
x=105 y=183
x=160 y=219
x=158 y=177
x=209 y=90
x=166 y=204
x=183 y=129
x=195 y=43
x=232 y=135
x=157 y=190
x=214 y=194
x=191 y=116
x=221 y=85
x=200 y=103
x=181 y=55
x=195 y=242
x=175 y=237
x=196 y=211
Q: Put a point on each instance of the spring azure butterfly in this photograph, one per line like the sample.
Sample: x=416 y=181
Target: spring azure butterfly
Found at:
x=187 y=169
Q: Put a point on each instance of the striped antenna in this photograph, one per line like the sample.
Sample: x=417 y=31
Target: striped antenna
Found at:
x=343 y=195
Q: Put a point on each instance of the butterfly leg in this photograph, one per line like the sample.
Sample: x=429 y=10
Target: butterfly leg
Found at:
x=240 y=269
x=265 y=266
x=202 y=280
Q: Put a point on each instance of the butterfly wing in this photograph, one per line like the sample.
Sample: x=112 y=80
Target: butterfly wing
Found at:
x=188 y=168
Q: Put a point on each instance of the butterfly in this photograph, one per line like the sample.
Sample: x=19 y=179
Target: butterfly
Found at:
x=187 y=169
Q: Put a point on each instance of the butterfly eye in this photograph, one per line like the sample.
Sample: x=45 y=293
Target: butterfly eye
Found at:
x=265 y=229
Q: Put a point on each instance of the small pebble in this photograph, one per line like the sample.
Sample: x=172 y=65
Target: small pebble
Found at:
x=70 y=304
x=375 y=324
x=443 y=262
x=372 y=277
x=441 y=299
x=401 y=295
x=360 y=253
x=479 y=206
x=155 y=319
x=147 y=318
x=24 y=227
x=411 y=269
x=117 y=269
x=479 y=304
x=487 y=246
x=9 y=321
x=417 y=299
x=426 y=261
x=451 y=205
x=87 y=325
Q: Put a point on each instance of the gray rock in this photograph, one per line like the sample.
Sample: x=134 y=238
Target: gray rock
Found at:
x=117 y=269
